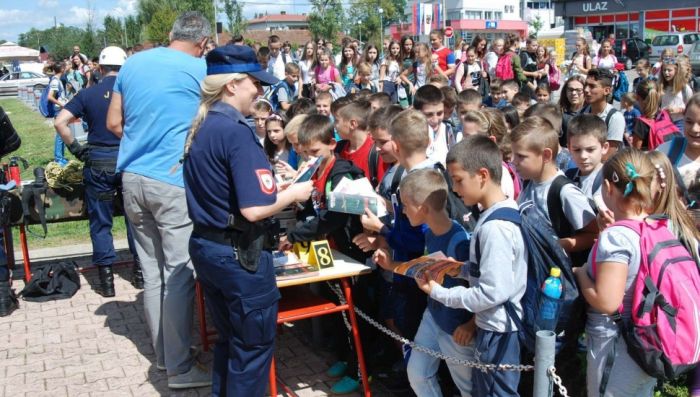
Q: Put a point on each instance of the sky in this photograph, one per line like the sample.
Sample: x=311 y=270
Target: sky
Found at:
x=18 y=16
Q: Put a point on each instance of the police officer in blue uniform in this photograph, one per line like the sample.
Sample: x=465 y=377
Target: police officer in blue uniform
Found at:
x=102 y=183
x=231 y=195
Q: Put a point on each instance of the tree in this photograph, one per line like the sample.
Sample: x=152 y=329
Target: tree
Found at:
x=326 y=19
x=234 y=13
x=59 y=41
x=536 y=24
x=113 y=33
x=366 y=12
x=134 y=31
x=158 y=28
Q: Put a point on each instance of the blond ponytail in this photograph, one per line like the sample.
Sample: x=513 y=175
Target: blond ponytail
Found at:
x=212 y=89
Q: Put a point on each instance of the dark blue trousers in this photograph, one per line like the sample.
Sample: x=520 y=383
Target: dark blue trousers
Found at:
x=496 y=348
x=243 y=307
x=101 y=185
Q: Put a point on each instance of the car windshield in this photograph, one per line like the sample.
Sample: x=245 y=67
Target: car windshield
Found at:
x=665 y=40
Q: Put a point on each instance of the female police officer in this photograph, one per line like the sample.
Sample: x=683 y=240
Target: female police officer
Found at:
x=230 y=191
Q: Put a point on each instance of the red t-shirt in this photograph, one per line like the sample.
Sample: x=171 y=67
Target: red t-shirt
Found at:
x=360 y=158
x=444 y=57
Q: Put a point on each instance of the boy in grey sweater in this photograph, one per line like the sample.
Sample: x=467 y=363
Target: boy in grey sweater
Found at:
x=498 y=276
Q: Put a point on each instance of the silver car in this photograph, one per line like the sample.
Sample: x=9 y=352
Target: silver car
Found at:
x=694 y=56
x=10 y=83
x=678 y=42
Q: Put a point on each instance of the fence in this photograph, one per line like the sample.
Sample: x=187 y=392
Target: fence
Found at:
x=31 y=97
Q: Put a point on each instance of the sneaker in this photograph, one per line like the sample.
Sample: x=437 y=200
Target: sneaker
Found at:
x=346 y=385
x=337 y=370
x=195 y=377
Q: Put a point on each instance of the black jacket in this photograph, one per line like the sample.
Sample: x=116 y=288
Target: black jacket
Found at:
x=340 y=227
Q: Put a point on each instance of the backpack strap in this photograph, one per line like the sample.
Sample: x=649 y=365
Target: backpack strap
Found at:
x=609 y=116
x=555 y=208
x=373 y=167
x=342 y=144
x=396 y=179
x=675 y=153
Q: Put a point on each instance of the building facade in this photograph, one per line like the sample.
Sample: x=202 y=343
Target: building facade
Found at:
x=491 y=19
x=630 y=18
x=281 y=21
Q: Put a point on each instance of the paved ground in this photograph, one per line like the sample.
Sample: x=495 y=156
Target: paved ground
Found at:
x=90 y=345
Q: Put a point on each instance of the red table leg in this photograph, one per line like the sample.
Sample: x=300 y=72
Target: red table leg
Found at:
x=273 y=379
x=25 y=254
x=356 y=335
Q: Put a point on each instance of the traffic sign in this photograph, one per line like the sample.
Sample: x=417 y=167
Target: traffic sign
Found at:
x=449 y=32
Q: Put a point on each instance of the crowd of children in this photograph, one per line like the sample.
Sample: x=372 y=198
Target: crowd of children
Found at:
x=423 y=127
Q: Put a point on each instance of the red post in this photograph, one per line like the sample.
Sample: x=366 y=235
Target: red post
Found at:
x=273 y=379
x=25 y=254
x=199 y=297
x=356 y=336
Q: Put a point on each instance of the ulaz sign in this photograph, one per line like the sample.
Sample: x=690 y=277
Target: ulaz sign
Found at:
x=595 y=7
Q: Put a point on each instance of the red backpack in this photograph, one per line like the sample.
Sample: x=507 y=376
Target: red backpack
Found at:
x=661 y=129
x=554 y=76
x=663 y=335
x=504 y=67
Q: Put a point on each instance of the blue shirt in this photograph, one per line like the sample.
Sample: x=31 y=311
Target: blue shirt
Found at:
x=630 y=117
x=226 y=169
x=160 y=97
x=454 y=244
x=91 y=105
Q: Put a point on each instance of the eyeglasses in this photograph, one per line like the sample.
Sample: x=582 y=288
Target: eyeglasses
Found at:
x=577 y=91
x=669 y=61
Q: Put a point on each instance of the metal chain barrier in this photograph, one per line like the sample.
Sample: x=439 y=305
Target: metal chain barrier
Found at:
x=473 y=364
x=557 y=381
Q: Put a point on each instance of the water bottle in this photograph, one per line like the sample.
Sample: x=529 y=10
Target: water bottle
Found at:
x=548 y=313
x=14 y=171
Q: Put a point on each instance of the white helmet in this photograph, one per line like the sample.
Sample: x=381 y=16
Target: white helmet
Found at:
x=112 y=56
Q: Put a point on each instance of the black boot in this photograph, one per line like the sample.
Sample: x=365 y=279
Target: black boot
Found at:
x=8 y=300
x=106 y=284
x=136 y=274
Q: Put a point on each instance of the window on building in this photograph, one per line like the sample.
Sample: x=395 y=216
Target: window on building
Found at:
x=498 y=15
x=454 y=15
x=472 y=15
x=488 y=14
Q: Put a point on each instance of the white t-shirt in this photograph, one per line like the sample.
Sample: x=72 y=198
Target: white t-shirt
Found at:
x=438 y=148
x=307 y=72
x=276 y=66
x=669 y=99
x=616 y=126
x=392 y=69
x=689 y=171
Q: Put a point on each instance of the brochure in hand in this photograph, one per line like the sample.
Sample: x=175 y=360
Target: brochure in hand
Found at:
x=308 y=169
x=435 y=264
x=352 y=196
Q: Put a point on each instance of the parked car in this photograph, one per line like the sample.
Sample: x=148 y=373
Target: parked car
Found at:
x=694 y=56
x=10 y=83
x=629 y=51
x=679 y=42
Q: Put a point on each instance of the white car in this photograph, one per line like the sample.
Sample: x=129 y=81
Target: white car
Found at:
x=10 y=83
x=680 y=43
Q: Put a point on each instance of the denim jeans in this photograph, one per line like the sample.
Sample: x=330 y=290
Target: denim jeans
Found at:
x=422 y=368
x=59 y=150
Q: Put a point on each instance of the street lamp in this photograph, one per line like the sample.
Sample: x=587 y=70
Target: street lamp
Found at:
x=381 y=29
x=359 y=26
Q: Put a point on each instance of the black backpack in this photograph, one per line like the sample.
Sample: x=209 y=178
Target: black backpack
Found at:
x=466 y=216
x=9 y=140
x=372 y=161
x=53 y=281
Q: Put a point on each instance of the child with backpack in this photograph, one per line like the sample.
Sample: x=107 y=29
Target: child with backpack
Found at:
x=261 y=111
x=448 y=330
x=508 y=66
x=277 y=147
x=653 y=126
x=55 y=99
x=676 y=92
x=429 y=100
x=356 y=144
x=535 y=146
x=284 y=93
x=421 y=69
x=611 y=286
x=468 y=75
x=497 y=280
x=588 y=145
x=325 y=74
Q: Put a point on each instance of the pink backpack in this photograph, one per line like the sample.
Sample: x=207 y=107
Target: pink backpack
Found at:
x=661 y=129
x=504 y=67
x=554 y=76
x=663 y=336
x=517 y=180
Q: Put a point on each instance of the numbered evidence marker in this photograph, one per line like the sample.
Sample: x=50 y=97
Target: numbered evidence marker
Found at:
x=318 y=253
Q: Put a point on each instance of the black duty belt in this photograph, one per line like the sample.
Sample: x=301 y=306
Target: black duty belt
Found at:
x=221 y=236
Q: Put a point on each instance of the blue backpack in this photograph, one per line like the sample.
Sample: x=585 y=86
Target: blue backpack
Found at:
x=46 y=108
x=622 y=86
x=273 y=97
x=544 y=252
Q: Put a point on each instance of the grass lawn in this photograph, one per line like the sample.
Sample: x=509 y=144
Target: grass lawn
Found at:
x=37 y=148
